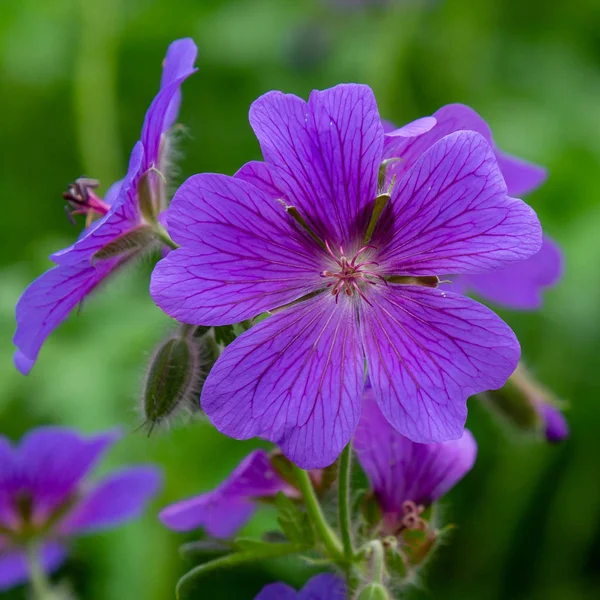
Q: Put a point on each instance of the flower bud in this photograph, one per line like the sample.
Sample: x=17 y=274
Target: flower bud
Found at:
x=373 y=591
x=173 y=379
x=529 y=406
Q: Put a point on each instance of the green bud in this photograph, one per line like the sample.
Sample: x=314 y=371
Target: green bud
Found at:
x=132 y=241
x=173 y=380
x=373 y=591
x=149 y=187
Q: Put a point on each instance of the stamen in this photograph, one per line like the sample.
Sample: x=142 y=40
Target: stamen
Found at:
x=293 y=212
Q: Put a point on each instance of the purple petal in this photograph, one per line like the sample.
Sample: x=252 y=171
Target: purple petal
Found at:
x=178 y=63
x=9 y=483
x=117 y=498
x=223 y=511
x=47 y=302
x=123 y=215
x=277 y=591
x=239 y=255
x=14 y=566
x=413 y=129
x=259 y=175
x=517 y=286
x=324 y=587
x=324 y=155
x=399 y=469
x=521 y=177
x=556 y=427
x=428 y=351
x=450 y=214
x=53 y=461
x=295 y=379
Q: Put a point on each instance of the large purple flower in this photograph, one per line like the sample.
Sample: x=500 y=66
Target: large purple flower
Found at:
x=44 y=498
x=121 y=233
x=321 y=587
x=519 y=285
x=406 y=476
x=300 y=235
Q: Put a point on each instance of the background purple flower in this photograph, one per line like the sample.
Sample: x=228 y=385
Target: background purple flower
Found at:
x=556 y=427
x=50 y=298
x=44 y=494
x=297 y=378
x=321 y=587
x=221 y=512
x=400 y=470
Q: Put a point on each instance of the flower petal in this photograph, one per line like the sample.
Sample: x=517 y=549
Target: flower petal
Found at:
x=14 y=564
x=259 y=175
x=324 y=155
x=178 y=63
x=556 y=427
x=518 y=286
x=47 y=302
x=325 y=586
x=224 y=510
x=427 y=352
x=9 y=482
x=117 y=498
x=54 y=460
x=277 y=591
x=239 y=255
x=399 y=469
x=295 y=379
x=123 y=215
x=521 y=177
x=395 y=138
x=450 y=214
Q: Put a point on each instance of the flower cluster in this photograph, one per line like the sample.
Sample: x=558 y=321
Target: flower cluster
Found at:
x=331 y=282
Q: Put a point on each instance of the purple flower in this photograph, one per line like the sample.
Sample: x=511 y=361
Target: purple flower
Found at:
x=321 y=587
x=221 y=512
x=44 y=498
x=519 y=285
x=291 y=234
x=406 y=476
x=118 y=236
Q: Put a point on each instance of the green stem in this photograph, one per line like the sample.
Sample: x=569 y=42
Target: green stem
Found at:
x=232 y=560
x=40 y=585
x=345 y=471
x=316 y=516
x=377 y=561
x=165 y=238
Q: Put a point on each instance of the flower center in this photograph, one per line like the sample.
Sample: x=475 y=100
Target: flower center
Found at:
x=81 y=200
x=350 y=273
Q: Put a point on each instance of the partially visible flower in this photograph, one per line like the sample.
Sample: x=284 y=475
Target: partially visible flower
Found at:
x=321 y=587
x=351 y=271
x=222 y=511
x=517 y=286
x=45 y=498
x=529 y=406
x=129 y=213
x=407 y=477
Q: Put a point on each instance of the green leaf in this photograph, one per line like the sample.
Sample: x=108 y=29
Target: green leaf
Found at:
x=205 y=547
x=244 y=544
x=224 y=334
x=293 y=521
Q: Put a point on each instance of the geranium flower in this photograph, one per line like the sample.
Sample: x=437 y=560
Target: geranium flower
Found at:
x=407 y=477
x=125 y=228
x=301 y=235
x=45 y=498
x=517 y=286
x=321 y=587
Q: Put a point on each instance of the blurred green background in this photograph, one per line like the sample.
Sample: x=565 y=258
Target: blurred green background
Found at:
x=76 y=78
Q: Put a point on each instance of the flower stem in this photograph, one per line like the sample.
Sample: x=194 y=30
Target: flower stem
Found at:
x=232 y=560
x=316 y=516
x=40 y=585
x=165 y=238
x=345 y=471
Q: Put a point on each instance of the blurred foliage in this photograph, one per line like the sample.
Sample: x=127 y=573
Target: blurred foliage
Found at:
x=76 y=77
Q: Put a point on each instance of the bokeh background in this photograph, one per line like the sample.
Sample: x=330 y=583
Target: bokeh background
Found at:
x=76 y=78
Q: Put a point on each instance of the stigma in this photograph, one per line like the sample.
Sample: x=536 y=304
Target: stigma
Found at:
x=82 y=200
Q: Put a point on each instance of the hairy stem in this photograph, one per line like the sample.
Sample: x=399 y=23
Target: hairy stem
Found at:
x=345 y=471
x=316 y=516
x=165 y=238
x=40 y=586
x=232 y=560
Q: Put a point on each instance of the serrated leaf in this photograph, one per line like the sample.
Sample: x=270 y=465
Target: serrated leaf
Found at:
x=293 y=522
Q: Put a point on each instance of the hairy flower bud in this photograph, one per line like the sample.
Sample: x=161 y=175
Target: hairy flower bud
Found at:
x=173 y=380
x=529 y=406
x=373 y=591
